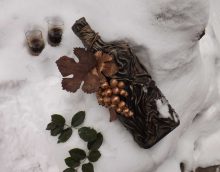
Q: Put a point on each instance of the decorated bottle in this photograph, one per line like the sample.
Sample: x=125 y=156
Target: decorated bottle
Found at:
x=153 y=117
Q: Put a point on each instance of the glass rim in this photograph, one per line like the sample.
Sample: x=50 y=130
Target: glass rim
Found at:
x=55 y=22
x=32 y=31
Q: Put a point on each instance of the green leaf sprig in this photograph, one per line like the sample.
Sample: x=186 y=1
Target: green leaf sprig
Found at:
x=78 y=157
x=59 y=127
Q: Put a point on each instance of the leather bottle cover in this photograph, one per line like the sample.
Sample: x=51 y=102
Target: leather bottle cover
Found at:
x=153 y=117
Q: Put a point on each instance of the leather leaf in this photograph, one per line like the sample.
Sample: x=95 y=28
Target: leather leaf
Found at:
x=105 y=64
x=91 y=83
x=113 y=114
x=81 y=71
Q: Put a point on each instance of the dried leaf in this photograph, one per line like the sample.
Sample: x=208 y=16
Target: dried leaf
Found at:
x=105 y=64
x=91 y=83
x=71 y=84
x=110 y=69
x=81 y=71
x=113 y=114
x=103 y=57
x=101 y=77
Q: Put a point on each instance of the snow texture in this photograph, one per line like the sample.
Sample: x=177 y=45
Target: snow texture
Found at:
x=163 y=109
x=165 y=34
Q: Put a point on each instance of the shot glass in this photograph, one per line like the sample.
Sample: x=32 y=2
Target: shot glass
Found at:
x=55 y=31
x=35 y=41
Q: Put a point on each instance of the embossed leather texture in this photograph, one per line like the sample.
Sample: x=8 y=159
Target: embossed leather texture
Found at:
x=154 y=117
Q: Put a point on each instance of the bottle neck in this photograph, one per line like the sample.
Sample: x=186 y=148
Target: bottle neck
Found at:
x=89 y=37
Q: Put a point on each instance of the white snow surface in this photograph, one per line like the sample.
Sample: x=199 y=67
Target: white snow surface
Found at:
x=163 y=109
x=166 y=34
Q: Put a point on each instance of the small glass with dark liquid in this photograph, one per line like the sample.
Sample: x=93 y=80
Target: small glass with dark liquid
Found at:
x=35 y=42
x=55 y=32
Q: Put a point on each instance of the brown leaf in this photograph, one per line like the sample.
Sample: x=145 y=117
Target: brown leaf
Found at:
x=113 y=114
x=91 y=83
x=81 y=71
x=66 y=65
x=110 y=69
x=101 y=77
x=103 y=57
x=106 y=64
x=70 y=84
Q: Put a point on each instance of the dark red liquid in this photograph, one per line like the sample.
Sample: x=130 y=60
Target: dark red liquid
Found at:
x=55 y=36
x=36 y=46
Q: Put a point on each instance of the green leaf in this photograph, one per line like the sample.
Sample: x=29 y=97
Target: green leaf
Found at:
x=95 y=145
x=56 y=131
x=87 y=167
x=87 y=134
x=69 y=170
x=94 y=156
x=77 y=154
x=78 y=118
x=65 y=135
x=58 y=120
x=51 y=126
x=71 y=163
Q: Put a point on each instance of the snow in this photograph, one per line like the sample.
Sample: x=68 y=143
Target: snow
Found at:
x=163 y=109
x=186 y=70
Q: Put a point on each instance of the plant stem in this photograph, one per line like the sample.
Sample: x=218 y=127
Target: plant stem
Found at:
x=68 y=126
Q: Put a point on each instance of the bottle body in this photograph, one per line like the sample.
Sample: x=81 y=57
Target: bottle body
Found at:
x=150 y=122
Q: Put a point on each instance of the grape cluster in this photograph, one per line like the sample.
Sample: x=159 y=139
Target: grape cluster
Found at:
x=108 y=96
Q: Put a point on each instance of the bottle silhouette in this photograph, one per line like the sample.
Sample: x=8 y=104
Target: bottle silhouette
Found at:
x=150 y=123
